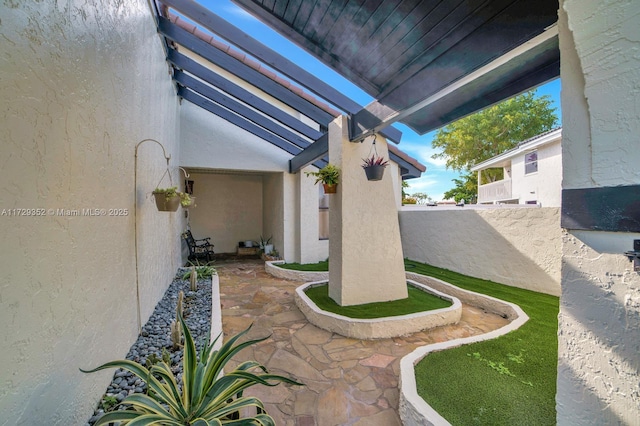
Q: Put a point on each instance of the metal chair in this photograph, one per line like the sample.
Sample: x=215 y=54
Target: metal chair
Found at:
x=198 y=248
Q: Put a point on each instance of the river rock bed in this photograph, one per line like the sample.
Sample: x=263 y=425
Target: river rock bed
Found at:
x=155 y=336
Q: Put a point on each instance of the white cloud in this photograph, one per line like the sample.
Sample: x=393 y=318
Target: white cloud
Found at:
x=239 y=12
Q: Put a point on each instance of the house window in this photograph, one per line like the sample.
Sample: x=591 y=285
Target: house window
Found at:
x=531 y=162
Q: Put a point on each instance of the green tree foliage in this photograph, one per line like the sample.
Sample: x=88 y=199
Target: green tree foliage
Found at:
x=490 y=132
x=466 y=189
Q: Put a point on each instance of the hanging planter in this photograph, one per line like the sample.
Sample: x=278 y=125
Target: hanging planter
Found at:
x=330 y=188
x=329 y=176
x=374 y=166
x=167 y=199
x=374 y=172
x=187 y=201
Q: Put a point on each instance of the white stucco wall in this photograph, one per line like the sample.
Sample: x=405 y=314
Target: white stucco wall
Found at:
x=312 y=249
x=518 y=247
x=211 y=142
x=81 y=84
x=599 y=324
x=544 y=186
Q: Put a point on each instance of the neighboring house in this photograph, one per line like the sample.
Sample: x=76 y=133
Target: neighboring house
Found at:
x=532 y=173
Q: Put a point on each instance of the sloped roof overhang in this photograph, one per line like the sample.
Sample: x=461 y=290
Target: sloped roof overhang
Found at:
x=412 y=55
x=209 y=90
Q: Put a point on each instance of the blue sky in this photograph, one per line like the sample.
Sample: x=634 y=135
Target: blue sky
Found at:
x=437 y=179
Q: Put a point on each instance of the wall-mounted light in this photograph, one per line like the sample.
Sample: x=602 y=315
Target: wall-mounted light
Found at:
x=634 y=256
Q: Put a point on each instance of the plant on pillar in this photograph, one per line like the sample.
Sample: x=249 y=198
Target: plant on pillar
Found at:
x=329 y=175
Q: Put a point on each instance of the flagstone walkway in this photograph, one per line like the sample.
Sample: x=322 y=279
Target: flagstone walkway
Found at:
x=347 y=381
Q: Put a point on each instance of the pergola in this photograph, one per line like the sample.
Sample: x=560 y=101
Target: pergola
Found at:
x=427 y=63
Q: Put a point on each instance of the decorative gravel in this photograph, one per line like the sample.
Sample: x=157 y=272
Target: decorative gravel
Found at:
x=155 y=336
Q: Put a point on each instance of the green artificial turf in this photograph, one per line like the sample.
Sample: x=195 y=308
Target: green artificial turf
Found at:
x=307 y=267
x=418 y=301
x=510 y=380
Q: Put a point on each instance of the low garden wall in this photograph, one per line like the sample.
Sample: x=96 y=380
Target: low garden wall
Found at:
x=520 y=247
x=379 y=328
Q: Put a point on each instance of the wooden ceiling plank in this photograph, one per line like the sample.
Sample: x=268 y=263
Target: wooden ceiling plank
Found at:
x=280 y=8
x=431 y=38
x=330 y=19
x=340 y=28
x=312 y=28
x=303 y=15
x=491 y=40
x=375 y=13
x=387 y=36
x=268 y=4
x=291 y=11
x=288 y=30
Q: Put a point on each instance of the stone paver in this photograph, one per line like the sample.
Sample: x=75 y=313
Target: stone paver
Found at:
x=347 y=382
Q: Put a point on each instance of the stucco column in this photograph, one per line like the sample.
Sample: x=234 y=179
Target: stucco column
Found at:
x=599 y=322
x=365 y=251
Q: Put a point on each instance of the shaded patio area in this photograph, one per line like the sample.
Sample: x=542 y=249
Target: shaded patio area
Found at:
x=348 y=381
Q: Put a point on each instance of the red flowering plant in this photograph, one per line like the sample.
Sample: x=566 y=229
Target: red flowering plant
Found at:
x=375 y=161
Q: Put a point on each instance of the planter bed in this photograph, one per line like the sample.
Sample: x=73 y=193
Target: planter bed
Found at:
x=155 y=334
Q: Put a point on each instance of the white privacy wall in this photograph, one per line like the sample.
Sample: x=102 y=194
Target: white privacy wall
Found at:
x=599 y=324
x=82 y=83
x=515 y=246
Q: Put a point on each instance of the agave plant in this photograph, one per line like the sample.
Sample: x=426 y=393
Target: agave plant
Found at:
x=205 y=398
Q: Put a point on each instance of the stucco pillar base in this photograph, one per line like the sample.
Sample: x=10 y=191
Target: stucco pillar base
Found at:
x=365 y=251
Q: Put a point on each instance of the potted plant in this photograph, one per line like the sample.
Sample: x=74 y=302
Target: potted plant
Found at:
x=201 y=394
x=374 y=167
x=167 y=199
x=186 y=200
x=265 y=245
x=329 y=176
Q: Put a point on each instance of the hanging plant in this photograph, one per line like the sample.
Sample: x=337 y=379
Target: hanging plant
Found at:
x=374 y=166
x=329 y=176
x=186 y=200
x=167 y=199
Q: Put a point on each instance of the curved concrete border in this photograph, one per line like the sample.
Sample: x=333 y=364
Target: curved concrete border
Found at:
x=378 y=328
x=272 y=268
x=414 y=411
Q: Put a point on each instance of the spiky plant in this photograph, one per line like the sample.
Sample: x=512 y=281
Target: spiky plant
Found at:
x=193 y=279
x=204 y=398
x=374 y=161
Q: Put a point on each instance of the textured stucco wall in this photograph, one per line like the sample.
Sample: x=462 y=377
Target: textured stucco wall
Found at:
x=82 y=83
x=211 y=142
x=229 y=209
x=519 y=247
x=364 y=235
x=312 y=249
x=273 y=223
x=599 y=324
